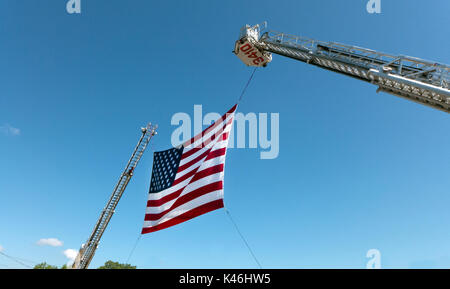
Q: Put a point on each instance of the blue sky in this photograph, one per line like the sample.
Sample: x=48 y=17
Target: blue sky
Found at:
x=357 y=170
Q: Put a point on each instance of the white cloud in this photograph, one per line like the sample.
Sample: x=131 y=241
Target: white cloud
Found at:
x=8 y=129
x=50 y=242
x=1 y=248
x=71 y=254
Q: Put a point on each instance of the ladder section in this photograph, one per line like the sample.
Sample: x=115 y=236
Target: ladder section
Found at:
x=87 y=250
x=412 y=78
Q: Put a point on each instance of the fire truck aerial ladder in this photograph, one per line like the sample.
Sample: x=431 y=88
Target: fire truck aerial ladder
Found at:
x=87 y=250
x=408 y=77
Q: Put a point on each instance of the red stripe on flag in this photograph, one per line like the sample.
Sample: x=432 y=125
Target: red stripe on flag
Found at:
x=191 y=173
x=190 y=152
x=186 y=198
x=211 y=127
x=196 y=160
x=165 y=199
x=216 y=153
x=200 y=210
x=207 y=172
x=174 y=195
x=205 y=142
x=184 y=177
x=198 y=175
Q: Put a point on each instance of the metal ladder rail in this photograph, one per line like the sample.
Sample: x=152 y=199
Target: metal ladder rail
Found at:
x=412 y=78
x=87 y=252
x=406 y=64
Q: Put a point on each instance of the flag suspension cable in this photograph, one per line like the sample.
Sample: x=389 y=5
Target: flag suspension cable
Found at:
x=248 y=83
x=243 y=239
x=134 y=247
x=15 y=259
x=226 y=210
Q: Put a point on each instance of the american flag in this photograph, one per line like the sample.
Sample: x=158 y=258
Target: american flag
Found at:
x=188 y=181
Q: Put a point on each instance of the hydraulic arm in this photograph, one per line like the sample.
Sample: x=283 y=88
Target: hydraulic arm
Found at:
x=408 y=77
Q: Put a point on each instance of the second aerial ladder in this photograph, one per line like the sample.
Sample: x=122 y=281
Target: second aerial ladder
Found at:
x=88 y=249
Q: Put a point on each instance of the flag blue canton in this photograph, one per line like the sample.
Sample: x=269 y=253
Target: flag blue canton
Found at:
x=165 y=166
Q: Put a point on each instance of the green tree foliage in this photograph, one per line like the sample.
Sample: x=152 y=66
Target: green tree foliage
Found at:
x=116 y=265
x=44 y=265
x=108 y=265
